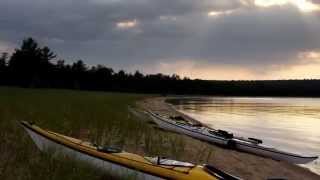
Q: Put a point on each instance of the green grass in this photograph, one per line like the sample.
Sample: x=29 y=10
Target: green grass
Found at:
x=104 y=116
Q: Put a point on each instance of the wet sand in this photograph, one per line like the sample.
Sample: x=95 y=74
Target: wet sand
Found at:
x=244 y=165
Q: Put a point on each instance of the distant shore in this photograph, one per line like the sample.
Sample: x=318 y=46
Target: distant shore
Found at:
x=244 y=165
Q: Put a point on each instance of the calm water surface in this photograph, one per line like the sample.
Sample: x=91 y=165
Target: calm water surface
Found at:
x=291 y=124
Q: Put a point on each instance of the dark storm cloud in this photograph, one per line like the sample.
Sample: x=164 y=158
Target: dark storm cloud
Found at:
x=164 y=30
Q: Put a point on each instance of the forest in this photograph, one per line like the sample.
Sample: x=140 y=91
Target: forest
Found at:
x=33 y=66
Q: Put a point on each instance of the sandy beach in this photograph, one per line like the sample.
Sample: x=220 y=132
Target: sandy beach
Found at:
x=244 y=165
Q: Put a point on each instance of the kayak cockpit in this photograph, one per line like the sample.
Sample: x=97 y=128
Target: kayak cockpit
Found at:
x=168 y=162
x=221 y=133
x=107 y=149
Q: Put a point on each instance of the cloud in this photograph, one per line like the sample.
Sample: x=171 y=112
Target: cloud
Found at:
x=219 y=13
x=127 y=24
x=232 y=34
x=303 y=5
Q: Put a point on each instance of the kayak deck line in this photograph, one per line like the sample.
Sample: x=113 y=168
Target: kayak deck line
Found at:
x=236 y=141
x=136 y=163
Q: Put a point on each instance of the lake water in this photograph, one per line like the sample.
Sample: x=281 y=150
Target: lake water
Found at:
x=291 y=124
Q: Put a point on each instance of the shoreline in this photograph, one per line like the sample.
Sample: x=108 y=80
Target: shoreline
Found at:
x=244 y=165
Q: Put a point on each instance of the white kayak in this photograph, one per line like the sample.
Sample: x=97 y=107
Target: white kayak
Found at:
x=227 y=139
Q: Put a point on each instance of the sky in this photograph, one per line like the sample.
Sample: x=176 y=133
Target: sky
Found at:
x=206 y=39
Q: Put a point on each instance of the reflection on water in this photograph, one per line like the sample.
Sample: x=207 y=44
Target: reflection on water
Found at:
x=291 y=124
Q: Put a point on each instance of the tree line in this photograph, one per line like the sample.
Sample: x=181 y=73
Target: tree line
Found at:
x=36 y=67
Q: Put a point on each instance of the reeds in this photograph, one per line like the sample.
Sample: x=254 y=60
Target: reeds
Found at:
x=103 y=116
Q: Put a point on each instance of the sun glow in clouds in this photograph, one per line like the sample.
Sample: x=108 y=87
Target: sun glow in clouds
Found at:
x=219 y=13
x=303 y=5
x=127 y=24
x=310 y=55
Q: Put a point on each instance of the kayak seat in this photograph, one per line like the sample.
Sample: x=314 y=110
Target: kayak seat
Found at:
x=106 y=149
x=225 y=134
x=221 y=133
x=177 y=118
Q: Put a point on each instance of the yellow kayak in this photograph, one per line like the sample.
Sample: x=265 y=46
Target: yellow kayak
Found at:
x=119 y=163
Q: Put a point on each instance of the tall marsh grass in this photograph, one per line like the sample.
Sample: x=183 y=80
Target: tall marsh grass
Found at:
x=99 y=117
